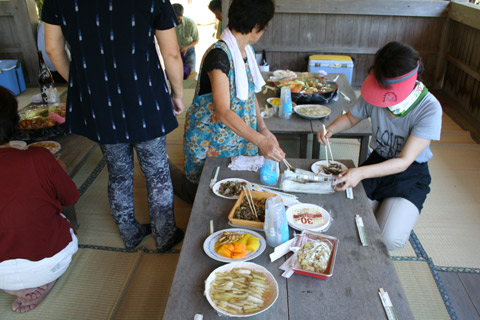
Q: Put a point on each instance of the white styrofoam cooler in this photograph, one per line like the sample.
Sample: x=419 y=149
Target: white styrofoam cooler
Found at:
x=331 y=64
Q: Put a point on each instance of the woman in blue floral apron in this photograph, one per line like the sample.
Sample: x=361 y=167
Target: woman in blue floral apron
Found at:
x=224 y=119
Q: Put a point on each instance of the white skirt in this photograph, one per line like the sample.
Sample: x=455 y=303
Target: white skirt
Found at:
x=19 y=274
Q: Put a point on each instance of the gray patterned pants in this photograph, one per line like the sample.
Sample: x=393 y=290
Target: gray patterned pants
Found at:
x=153 y=160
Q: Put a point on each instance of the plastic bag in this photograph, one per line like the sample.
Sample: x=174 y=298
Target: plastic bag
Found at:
x=275 y=225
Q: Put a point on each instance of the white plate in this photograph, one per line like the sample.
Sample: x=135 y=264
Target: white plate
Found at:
x=249 y=265
x=317 y=167
x=317 y=111
x=53 y=146
x=270 y=102
x=307 y=224
x=209 y=246
x=216 y=187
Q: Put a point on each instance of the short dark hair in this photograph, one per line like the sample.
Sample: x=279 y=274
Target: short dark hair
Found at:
x=215 y=5
x=8 y=115
x=246 y=15
x=178 y=8
x=393 y=60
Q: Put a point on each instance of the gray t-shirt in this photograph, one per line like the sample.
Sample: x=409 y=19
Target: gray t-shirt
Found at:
x=389 y=134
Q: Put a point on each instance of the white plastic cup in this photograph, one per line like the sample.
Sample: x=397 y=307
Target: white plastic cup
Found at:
x=285 y=110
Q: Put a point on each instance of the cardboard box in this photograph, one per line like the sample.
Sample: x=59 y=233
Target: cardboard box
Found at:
x=11 y=76
x=331 y=64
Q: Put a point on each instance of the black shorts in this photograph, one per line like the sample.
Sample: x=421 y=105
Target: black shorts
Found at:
x=412 y=184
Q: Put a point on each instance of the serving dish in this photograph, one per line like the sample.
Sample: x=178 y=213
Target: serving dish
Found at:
x=53 y=146
x=256 y=195
x=220 y=185
x=210 y=243
x=307 y=236
x=312 y=111
x=309 y=88
x=40 y=122
x=318 y=166
x=306 y=216
x=270 y=280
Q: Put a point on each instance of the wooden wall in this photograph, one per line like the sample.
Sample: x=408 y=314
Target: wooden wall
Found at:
x=355 y=28
x=18 y=23
x=462 y=67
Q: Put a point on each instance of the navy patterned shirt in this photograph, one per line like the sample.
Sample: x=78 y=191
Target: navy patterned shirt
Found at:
x=117 y=89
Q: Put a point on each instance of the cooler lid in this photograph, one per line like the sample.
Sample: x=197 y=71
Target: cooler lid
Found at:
x=330 y=57
x=7 y=65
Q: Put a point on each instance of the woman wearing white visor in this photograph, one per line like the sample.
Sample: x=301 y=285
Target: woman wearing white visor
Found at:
x=405 y=118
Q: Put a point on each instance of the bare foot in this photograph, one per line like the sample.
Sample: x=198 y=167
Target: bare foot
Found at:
x=29 y=294
x=24 y=304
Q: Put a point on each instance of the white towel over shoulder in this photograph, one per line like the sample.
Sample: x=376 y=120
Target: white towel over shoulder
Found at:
x=241 y=80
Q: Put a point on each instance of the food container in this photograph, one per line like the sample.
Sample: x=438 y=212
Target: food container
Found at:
x=309 y=88
x=311 y=236
x=256 y=195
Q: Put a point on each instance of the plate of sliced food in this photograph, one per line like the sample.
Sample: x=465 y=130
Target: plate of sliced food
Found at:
x=312 y=111
x=230 y=245
x=53 y=146
x=328 y=168
x=230 y=188
x=241 y=289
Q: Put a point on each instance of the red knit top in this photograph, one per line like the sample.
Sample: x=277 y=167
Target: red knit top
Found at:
x=33 y=189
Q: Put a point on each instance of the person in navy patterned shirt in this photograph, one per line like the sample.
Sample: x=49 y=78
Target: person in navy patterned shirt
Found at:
x=118 y=96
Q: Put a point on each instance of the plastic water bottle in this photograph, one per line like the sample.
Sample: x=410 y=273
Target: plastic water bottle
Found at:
x=285 y=110
x=275 y=225
x=269 y=172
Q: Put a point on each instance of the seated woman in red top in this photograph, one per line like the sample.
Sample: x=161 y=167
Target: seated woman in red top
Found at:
x=37 y=241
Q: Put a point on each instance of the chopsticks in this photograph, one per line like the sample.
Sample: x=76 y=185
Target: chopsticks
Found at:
x=289 y=166
x=345 y=96
x=327 y=146
x=249 y=197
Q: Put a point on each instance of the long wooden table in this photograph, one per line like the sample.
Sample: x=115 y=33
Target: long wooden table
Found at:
x=302 y=127
x=352 y=291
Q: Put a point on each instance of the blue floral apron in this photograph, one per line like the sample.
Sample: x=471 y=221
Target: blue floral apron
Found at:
x=205 y=136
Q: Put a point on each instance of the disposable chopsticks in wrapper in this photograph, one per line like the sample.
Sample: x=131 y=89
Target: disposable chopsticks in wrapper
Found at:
x=287 y=199
x=280 y=251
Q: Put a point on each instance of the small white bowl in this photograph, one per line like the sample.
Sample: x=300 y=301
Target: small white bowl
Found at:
x=18 y=144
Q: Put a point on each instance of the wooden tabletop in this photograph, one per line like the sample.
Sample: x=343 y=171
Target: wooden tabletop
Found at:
x=352 y=291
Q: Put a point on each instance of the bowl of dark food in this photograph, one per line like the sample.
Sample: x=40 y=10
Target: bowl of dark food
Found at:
x=41 y=122
x=230 y=188
x=328 y=167
x=309 y=88
x=242 y=214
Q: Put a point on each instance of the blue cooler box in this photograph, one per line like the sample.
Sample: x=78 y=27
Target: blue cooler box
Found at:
x=331 y=64
x=11 y=76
